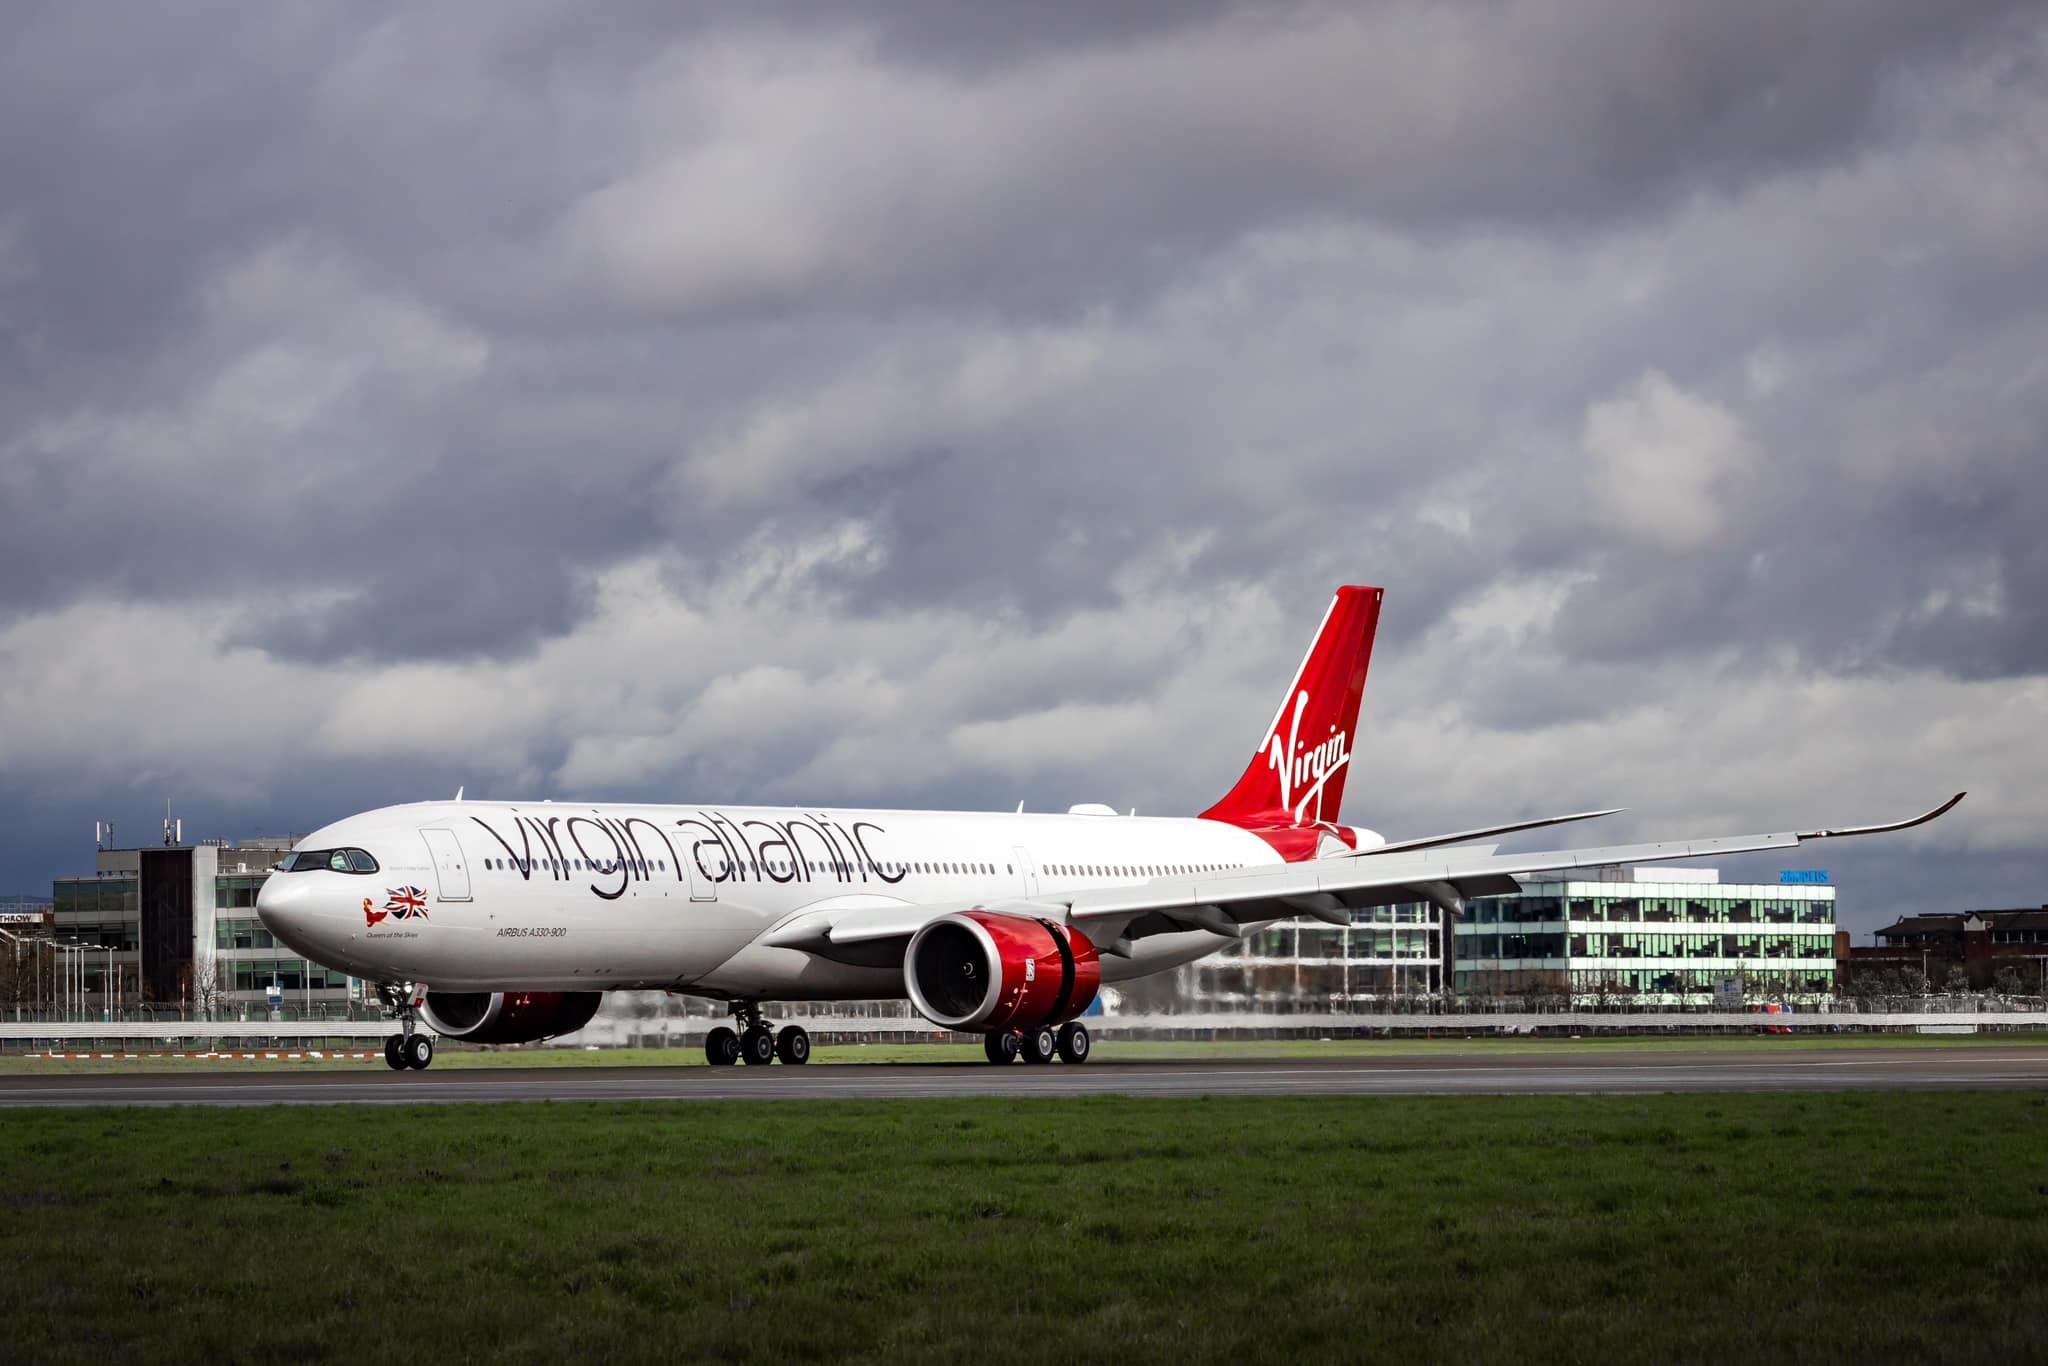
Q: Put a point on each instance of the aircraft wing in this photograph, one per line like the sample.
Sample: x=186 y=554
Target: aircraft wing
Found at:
x=1326 y=889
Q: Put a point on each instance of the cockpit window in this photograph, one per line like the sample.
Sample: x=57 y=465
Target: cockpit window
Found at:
x=331 y=860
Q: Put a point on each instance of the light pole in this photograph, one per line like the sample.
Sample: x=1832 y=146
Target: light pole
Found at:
x=76 y=983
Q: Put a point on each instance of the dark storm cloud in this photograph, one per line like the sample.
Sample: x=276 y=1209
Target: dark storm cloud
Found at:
x=437 y=155
x=385 y=332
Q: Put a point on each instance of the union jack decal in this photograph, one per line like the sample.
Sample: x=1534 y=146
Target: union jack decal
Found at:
x=406 y=903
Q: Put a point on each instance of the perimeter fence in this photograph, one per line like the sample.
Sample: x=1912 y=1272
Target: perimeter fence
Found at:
x=674 y=1022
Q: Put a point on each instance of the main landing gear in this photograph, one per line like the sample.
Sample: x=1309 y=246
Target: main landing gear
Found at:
x=1069 y=1043
x=755 y=1042
x=406 y=1049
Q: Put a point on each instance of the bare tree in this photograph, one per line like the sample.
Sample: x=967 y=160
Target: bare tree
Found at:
x=15 y=974
x=209 y=985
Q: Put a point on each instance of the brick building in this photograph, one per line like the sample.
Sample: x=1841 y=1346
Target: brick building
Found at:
x=1979 y=943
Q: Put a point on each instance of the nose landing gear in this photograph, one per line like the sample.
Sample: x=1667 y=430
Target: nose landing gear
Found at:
x=405 y=1049
x=755 y=1042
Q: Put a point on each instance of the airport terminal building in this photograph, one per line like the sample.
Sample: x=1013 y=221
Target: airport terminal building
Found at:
x=175 y=929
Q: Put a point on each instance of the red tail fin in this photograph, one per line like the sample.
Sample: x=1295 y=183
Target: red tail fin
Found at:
x=1297 y=776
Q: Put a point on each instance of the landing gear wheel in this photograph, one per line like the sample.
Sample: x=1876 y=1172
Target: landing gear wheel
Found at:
x=757 y=1046
x=418 y=1051
x=721 y=1047
x=394 y=1053
x=793 y=1045
x=1073 y=1042
x=1000 y=1047
x=1039 y=1044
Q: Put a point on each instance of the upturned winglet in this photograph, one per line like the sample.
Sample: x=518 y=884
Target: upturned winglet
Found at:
x=1921 y=819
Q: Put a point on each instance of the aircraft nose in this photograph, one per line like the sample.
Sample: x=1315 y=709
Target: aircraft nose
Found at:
x=285 y=905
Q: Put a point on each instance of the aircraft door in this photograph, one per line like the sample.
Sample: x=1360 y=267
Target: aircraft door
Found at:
x=1027 y=869
x=450 y=865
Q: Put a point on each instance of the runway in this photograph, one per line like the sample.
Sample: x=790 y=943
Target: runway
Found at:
x=1477 y=1074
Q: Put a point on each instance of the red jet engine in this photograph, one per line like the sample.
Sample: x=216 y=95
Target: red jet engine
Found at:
x=977 y=970
x=508 y=1016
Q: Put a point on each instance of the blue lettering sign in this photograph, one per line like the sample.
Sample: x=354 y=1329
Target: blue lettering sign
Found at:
x=1803 y=875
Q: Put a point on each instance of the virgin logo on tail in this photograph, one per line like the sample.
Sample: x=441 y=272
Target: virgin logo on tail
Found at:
x=1296 y=776
x=1304 y=772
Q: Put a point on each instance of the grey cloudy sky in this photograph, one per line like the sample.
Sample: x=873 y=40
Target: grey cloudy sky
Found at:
x=939 y=404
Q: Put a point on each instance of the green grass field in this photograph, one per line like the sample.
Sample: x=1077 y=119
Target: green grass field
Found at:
x=454 y=1055
x=1844 y=1227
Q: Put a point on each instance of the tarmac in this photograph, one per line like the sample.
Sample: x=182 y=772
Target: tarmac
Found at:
x=1567 y=1073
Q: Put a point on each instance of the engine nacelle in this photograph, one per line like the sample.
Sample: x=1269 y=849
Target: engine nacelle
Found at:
x=982 y=971
x=508 y=1016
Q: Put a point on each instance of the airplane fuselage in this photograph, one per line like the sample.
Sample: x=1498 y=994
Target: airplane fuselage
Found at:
x=558 y=896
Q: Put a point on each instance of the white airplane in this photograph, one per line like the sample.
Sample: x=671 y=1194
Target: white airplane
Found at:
x=506 y=922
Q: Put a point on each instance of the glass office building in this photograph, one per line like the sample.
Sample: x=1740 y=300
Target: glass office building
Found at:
x=1615 y=938
x=1625 y=937
x=1386 y=952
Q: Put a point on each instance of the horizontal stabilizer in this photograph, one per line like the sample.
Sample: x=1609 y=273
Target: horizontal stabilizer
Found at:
x=1466 y=836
